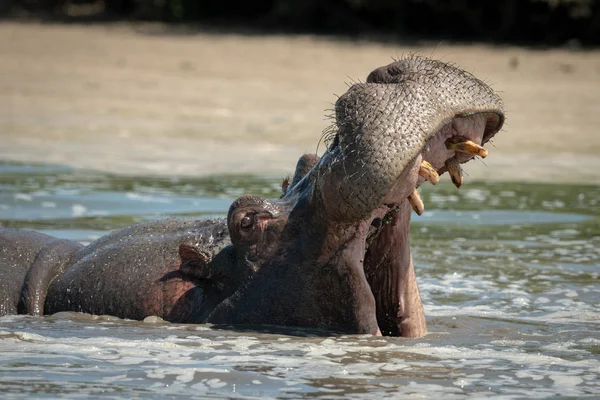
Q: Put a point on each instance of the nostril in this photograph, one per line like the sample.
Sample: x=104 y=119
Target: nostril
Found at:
x=395 y=70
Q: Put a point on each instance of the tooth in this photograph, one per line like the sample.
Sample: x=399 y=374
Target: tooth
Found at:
x=455 y=171
x=428 y=172
x=416 y=202
x=464 y=145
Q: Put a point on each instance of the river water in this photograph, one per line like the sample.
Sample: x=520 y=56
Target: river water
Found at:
x=509 y=275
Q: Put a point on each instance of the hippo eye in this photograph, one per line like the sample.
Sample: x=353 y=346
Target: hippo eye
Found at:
x=246 y=222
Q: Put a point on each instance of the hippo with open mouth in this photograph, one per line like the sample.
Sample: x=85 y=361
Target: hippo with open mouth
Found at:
x=332 y=253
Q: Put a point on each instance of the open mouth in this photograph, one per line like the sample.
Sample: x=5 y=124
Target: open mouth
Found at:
x=374 y=248
x=387 y=261
x=456 y=143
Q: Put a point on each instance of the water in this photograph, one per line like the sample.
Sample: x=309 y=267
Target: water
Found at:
x=509 y=275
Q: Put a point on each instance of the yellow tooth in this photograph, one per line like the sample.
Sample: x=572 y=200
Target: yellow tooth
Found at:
x=416 y=202
x=428 y=172
x=464 y=145
x=455 y=171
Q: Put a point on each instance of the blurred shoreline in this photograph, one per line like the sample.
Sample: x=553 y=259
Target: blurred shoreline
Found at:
x=139 y=100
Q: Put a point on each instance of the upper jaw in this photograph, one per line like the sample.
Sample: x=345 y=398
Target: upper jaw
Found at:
x=475 y=128
x=434 y=160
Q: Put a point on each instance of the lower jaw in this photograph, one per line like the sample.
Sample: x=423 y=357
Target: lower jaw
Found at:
x=389 y=271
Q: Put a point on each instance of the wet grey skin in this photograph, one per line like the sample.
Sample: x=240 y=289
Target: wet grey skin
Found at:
x=333 y=252
x=29 y=261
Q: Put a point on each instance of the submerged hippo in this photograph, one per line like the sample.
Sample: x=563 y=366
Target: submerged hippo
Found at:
x=333 y=252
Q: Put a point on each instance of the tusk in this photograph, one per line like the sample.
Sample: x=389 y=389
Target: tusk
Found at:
x=455 y=171
x=428 y=172
x=464 y=145
x=416 y=202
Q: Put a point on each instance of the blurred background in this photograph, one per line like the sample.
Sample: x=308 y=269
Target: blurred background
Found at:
x=533 y=21
x=183 y=87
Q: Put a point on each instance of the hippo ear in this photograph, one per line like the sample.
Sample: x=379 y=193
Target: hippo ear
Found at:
x=194 y=262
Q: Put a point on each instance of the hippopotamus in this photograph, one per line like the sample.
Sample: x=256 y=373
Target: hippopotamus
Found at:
x=331 y=253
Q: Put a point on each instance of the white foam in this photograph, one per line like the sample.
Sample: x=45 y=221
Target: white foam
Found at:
x=78 y=210
x=23 y=197
x=147 y=198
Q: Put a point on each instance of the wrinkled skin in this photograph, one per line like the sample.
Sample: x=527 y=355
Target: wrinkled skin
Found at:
x=29 y=261
x=332 y=253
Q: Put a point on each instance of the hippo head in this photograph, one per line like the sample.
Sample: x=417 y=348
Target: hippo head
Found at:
x=334 y=252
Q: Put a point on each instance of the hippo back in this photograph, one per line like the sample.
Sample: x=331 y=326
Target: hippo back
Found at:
x=20 y=250
x=134 y=273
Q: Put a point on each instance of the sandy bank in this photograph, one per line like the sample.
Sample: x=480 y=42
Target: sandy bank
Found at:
x=134 y=100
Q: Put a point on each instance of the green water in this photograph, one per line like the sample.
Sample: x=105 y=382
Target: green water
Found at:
x=509 y=274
